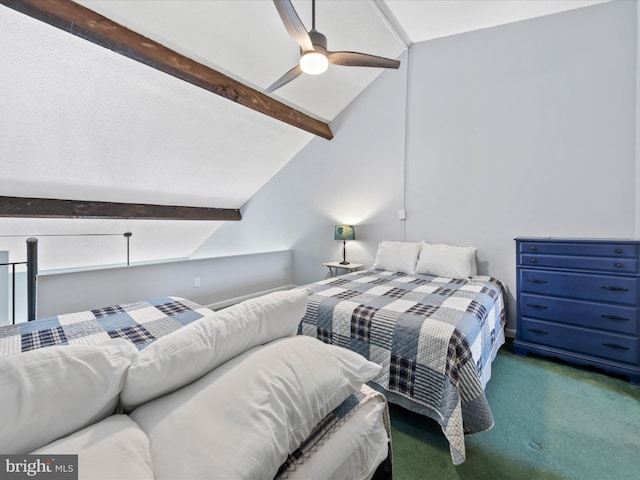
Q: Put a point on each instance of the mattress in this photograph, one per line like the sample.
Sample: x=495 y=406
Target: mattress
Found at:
x=353 y=448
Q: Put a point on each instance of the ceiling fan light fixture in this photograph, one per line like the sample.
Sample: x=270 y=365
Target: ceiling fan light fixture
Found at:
x=314 y=63
x=315 y=58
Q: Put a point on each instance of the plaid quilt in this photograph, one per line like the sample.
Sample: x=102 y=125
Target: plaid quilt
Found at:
x=422 y=330
x=141 y=323
x=328 y=426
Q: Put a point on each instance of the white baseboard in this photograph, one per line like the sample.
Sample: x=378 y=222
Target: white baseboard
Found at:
x=233 y=301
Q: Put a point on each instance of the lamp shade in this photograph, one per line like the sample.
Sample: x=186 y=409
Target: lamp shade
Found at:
x=344 y=232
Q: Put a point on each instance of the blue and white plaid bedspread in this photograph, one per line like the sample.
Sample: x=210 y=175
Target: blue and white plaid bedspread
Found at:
x=422 y=330
x=141 y=323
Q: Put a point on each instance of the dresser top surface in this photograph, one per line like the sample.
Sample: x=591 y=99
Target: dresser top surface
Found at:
x=576 y=240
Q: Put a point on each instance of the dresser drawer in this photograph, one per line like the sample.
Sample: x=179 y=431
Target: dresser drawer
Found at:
x=580 y=249
x=601 y=288
x=604 y=264
x=610 y=346
x=615 y=318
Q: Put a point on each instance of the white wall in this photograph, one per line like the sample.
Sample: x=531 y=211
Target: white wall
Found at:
x=356 y=178
x=522 y=129
x=220 y=279
x=637 y=177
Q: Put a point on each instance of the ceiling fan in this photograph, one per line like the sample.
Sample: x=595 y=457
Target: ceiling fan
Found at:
x=314 y=56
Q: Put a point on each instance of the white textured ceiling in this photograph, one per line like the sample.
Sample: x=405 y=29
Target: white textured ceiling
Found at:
x=428 y=19
x=81 y=122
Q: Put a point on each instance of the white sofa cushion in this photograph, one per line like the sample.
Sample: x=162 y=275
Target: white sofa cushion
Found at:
x=397 y=256
x=241 y=420
x=183 y=356
x=114 y=448
x=51 y=392
x=447 y=261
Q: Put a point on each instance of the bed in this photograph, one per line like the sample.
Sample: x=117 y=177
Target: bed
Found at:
x=429 y=320
x=194 y=380
x=141 y=323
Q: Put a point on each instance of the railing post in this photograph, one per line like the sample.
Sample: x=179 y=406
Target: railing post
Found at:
x=127 y=235
x=32 y=277
x=13 y=294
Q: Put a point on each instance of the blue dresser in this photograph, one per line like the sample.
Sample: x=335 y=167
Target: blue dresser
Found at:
x=578 y=300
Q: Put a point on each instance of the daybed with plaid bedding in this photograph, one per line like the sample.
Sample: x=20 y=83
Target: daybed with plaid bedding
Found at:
x=434 y=337
x=142 y=323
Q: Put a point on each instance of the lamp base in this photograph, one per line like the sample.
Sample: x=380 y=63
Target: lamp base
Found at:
x=344 y=262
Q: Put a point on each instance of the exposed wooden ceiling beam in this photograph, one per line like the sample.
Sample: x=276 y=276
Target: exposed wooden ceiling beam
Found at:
x=85 y=23
x=20 y=207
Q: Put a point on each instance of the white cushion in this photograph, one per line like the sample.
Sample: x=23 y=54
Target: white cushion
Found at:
x=447 y=261
x=397 y=256
x=353 y=452
x=241 y=420
x=51 y=392
x=186 y=354
x=114 y=448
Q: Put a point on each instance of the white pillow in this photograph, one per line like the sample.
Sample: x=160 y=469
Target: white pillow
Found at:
x=447 y=261
x=241 y=420
x=186 y=354
x=397 y=256
x=54 y=391
x=115 y=448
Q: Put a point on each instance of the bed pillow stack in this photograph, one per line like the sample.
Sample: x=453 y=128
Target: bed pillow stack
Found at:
x=420 y=257
x=242 y=419
x=189 y=353
x=51 y=392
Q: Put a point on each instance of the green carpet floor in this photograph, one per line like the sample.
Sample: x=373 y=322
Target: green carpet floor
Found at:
x=552 y=421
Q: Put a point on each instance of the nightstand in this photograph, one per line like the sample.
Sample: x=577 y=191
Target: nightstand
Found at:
x=335 y=266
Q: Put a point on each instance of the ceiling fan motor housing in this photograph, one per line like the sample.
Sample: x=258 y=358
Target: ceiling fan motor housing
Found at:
x=319 y=41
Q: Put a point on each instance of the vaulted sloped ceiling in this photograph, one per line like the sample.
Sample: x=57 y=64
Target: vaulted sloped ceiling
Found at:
x=246 y=40
x=81 y=122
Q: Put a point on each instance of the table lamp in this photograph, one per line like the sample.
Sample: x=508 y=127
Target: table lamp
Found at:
x=344 y=233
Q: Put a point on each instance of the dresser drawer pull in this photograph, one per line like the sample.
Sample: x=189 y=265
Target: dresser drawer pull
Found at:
x=619 y=265
x=533 y=248
x=616 y=346
x=619 y=250
x=615 y=317
x=539 y=332
x=535 y=280
x=615 y=289
x=534 y=260
x=533 y=305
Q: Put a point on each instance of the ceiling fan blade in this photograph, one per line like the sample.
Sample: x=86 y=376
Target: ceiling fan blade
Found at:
x=292 y=74
x=293 y=24
x=355 y=59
